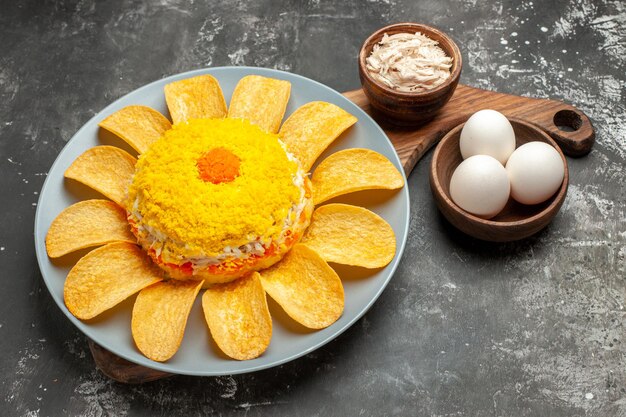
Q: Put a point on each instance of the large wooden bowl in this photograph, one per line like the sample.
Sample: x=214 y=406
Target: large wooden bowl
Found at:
x=409 y=109
x=516 y=221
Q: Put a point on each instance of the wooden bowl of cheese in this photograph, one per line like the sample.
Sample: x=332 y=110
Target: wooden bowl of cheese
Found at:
x=408 y=72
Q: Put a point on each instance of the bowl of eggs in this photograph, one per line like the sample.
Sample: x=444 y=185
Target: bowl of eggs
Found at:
x=498 y=179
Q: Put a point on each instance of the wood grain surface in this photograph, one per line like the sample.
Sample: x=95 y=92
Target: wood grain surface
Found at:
x=121 y=370
x=411 y=144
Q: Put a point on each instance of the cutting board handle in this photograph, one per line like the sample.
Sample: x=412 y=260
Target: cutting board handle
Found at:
x=568 y=126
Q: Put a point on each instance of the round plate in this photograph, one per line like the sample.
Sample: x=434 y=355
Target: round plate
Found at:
x=197 y=354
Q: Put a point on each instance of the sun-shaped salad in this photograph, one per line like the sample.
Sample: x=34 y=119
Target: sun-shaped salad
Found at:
x=221 y=200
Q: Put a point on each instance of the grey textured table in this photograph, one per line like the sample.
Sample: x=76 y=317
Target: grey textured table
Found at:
x=465 y=328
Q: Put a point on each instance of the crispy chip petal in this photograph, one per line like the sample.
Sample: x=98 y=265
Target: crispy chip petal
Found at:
x=260 y=100
x=351 y=235
x=353 y=170
x=86 y=224
x=198 y=97
x=160 y=317
x=139 y=126
x=107 y=276
x=238 y=317
x=106 y=169
x=312 y=128
x=306 y=287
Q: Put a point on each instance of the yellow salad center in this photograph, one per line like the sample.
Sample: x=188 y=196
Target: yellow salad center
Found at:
x=170 y=195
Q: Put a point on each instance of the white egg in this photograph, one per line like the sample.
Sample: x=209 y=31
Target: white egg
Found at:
x=536 y=172
x=487 y=132
x=480 y=185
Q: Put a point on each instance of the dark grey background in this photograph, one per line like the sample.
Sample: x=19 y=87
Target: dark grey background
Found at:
x=465 y=328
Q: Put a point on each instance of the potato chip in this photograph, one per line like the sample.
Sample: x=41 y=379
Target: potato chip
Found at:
x=350 y=235
x=160 y=317
x=260 y=100
x=107 y=276
x=312 y=128
x=86 y=224
x=353 y=170
x=238 y=317
x=106 y=169
x=305 y=286
x=139 y=126
x=198 y=97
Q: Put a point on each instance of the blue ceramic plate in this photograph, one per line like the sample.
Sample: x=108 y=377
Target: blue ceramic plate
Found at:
x=198 y=355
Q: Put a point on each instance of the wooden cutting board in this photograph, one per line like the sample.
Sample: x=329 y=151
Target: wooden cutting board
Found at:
x=567 y=125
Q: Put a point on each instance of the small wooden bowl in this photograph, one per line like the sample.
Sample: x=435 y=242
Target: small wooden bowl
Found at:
x=409 y=109
x=516 y=221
